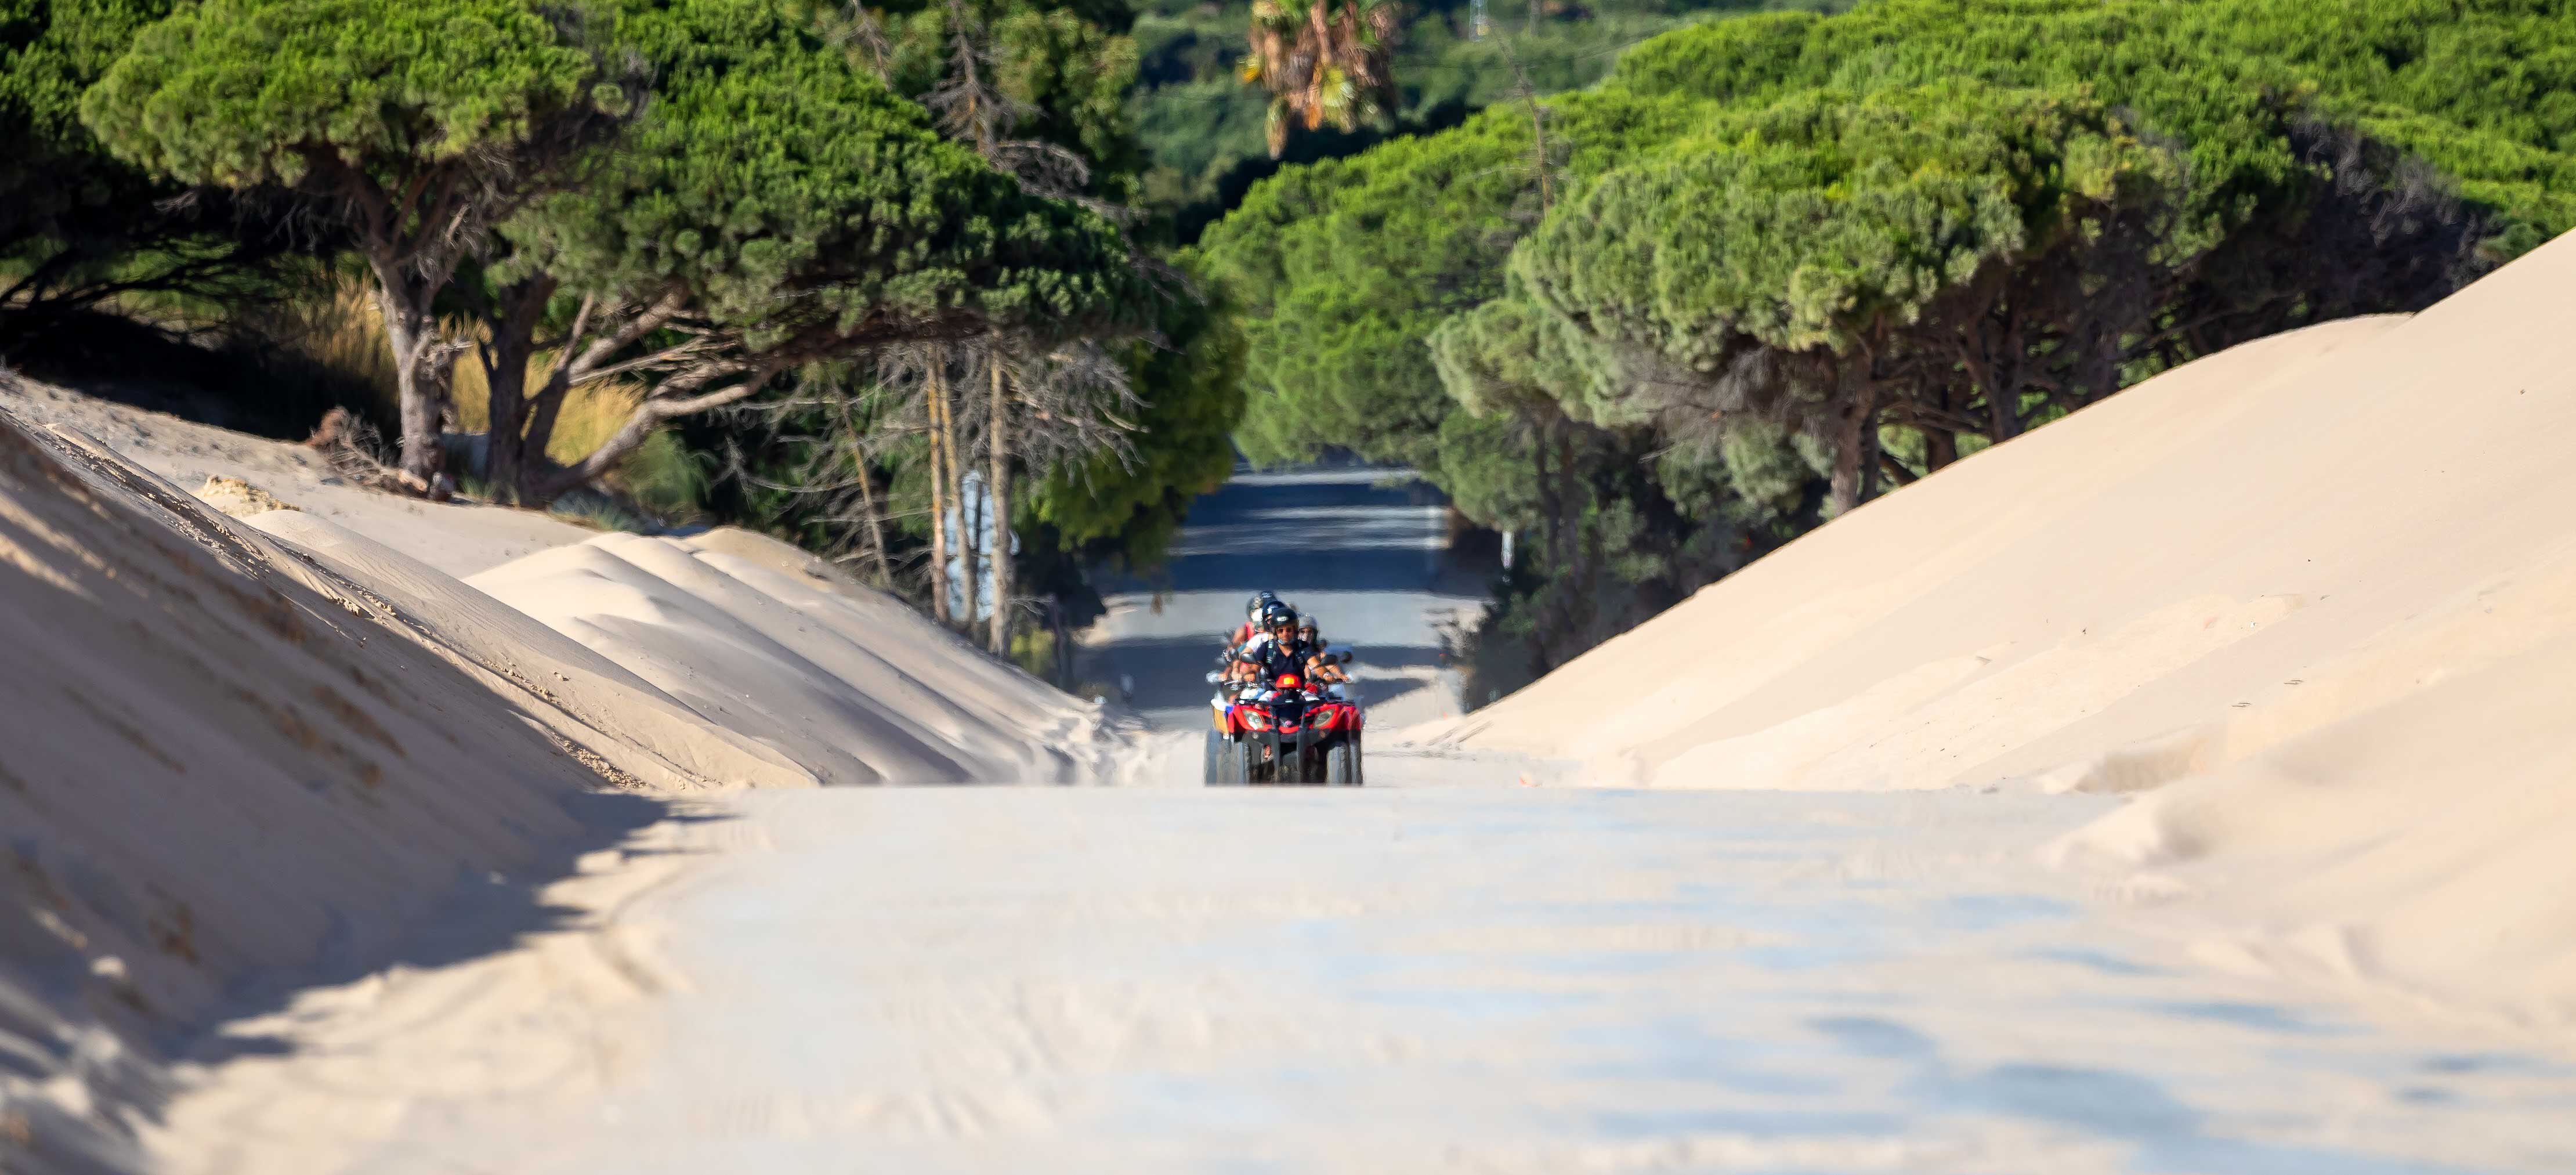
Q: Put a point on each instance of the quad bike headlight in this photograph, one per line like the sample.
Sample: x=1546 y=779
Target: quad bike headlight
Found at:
x=1324 y=720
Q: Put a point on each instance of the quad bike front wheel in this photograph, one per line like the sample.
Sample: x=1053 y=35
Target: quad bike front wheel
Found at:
x=1218 y=759
x=1342 y=764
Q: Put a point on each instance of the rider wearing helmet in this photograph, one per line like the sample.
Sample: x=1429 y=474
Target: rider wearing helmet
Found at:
x=1276 y=650
x=1252 y=610
x=1318 y=667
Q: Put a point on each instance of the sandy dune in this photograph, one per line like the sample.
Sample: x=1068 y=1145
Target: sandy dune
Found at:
x=254 y=751
x=854 y=686
x=455 y=537
x=2328 y=578
x=219 y=766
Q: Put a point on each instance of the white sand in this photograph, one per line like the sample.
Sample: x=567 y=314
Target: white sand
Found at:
x=457 y=538
x=1452 y=978
x=245 y=750
x=2329 y=578
x=851 y=684
x=626 y=713
x=214 y=770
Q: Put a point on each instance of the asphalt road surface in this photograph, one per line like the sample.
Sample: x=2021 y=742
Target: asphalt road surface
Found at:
x=1364 y=551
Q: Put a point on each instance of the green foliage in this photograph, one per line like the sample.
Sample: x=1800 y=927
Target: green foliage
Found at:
x=1128 y=506
x=2484 y=90
x=1063 y=68
x=1829 y=222
x=1204 y=126
x=239 y=92
x=80 y=228
x=1789 y=244
x=49 y=163
x=1068 y=68
x=1489 y=465
x=1513 y=357
x=1343 y=268
x=413 y=129
x=798 y=200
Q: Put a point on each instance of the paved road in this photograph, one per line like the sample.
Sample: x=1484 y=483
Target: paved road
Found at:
x=1361 y=549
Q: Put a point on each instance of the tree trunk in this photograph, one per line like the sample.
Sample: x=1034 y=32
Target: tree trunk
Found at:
x=1551 y=512
x=508 y=349
x=1940 y=440
x=1063 y=643
x=999 y=494
x=1852 y=447
x=541 y=411
x=939 y=456
x=410 y=329
x=968 y=538
x=1569 y=527
x=868 y=503
x=1940 y=447
x=970 y=524
x=1872 y=450
x=2003 y=387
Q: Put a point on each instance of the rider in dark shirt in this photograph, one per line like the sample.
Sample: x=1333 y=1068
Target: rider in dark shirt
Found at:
x=1277 y=650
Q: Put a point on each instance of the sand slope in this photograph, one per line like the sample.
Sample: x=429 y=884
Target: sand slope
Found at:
x=213 y=769
x=640 y=728
x=2330 y=568
x=262 y=748
x=847 y=682
x=456 y=537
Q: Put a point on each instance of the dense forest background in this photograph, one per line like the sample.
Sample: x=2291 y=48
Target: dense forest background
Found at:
x=1202 y=126
x=976 y=295
x=1771 y=266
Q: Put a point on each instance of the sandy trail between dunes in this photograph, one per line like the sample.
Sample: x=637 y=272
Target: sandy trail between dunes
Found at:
x=1179 y=978
x=477 y=960
x=1362 y=550
x=1461 y=967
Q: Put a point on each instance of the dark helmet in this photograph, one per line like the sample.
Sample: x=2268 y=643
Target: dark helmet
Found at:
x=1259 y=602
x=1278 y=614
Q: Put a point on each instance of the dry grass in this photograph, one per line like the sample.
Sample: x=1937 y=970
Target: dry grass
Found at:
x=346 y=333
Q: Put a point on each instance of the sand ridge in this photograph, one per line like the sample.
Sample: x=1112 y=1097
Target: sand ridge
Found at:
x=2324 y=578
x=264 y=749
x=215 y=771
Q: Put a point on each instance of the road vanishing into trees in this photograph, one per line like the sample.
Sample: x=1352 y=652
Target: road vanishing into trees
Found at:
x=1365 y=551
x=1451 y=969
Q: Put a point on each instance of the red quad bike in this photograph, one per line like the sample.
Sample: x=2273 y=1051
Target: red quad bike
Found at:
x=1285 y=734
